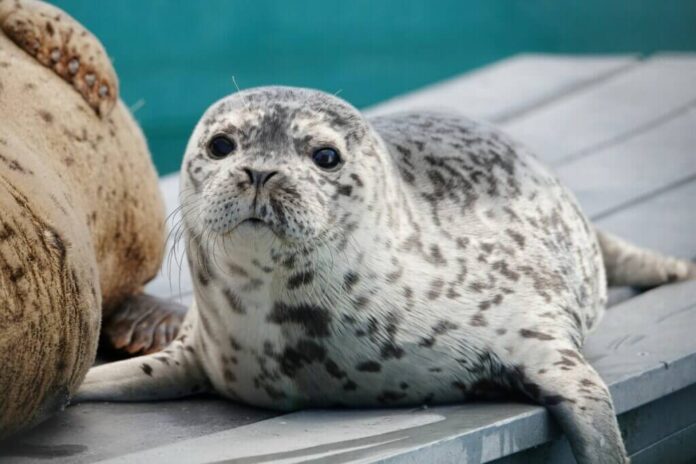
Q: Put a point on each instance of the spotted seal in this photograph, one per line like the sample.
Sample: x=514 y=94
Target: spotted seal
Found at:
x=403 y=260
x=81 y=216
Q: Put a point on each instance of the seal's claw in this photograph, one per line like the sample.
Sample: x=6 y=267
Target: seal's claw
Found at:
x=143 y=324
x=64 y=45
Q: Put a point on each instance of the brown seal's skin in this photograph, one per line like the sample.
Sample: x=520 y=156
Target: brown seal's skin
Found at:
x=82 y=219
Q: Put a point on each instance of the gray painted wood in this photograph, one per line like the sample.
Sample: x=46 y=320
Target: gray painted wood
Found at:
x=665 y=222
x=679 y=448
x=651 y=431
x=647 y=162
x=91 y=432
x=611 y=118
x=511 y=87
x=626 y=104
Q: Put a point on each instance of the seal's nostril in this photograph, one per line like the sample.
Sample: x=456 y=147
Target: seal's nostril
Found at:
x=250 y=174
x=268 y=175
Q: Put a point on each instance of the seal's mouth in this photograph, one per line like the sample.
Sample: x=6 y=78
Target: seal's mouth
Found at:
x=254 y=222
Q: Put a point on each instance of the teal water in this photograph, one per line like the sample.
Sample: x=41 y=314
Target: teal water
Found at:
x=175 y=57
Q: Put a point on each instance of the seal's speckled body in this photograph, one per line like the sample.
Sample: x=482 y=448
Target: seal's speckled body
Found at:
x=438 y=262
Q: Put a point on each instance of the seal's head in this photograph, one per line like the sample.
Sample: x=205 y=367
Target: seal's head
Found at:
x=279 y=163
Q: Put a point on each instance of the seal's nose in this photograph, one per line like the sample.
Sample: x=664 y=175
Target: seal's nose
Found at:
x=259 y=178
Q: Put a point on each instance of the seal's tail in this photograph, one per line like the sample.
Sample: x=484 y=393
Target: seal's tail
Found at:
x=627 y=264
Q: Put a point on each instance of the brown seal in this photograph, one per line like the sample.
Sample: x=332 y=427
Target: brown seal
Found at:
x=82 y=219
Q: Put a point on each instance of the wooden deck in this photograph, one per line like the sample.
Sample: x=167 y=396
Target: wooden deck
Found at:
x=621 y=132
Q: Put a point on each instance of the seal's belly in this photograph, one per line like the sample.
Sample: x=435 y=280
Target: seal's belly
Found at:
x=295 y=371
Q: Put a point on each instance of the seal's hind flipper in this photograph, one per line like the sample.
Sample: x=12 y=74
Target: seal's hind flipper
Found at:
x=64 y=45
x=627 y=264
x=172 y=373
x=143 y=324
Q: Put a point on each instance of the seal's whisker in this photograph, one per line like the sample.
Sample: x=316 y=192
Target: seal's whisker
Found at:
x=246 y=101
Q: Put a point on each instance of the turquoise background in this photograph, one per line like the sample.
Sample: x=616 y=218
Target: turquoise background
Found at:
x=179 y=56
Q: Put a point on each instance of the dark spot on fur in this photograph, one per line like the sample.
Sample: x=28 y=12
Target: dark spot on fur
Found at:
x=235 y=344
x=294 y=358
x=314 y=319
x=369 y=366
x=235 y=303
x=46 y=116
x=390 y=396
x=435 y=289
x=426 y=342
x=349 y=280
x=350 y=386
x=146 y=369
x=477 y=320
x=229 y=375
x=333 y=369
x=345 y=190
x=299 y=279
x=587 y=383
x=526 y=333
x=516 y=236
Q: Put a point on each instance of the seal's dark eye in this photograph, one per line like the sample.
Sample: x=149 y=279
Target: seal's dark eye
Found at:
x=326 y=158
x=220 y=146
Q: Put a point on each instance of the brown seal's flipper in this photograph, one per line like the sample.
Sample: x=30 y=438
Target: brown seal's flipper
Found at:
x=143 y=324
x=64 y=45
x=172 y=373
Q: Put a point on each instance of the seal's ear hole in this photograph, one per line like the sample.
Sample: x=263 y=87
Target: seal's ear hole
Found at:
x=220 y=146
x=326 y=158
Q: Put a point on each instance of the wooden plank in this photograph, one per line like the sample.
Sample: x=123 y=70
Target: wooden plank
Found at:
x=679 y=448
x=648 y=162
x=510 y=87
x=666 y=222
x=91 y=432
x=643 y=429
x=628 y=103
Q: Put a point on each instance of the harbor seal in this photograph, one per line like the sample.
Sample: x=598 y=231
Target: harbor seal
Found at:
x=81 y=216
x=411 y=259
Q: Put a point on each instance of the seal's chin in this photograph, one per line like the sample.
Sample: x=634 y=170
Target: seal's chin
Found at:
x=252 y=229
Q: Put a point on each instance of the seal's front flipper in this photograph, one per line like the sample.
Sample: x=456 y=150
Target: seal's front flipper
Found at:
x=64 y=45
x=172 y=373
x=143 y=324
x=560 y=379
